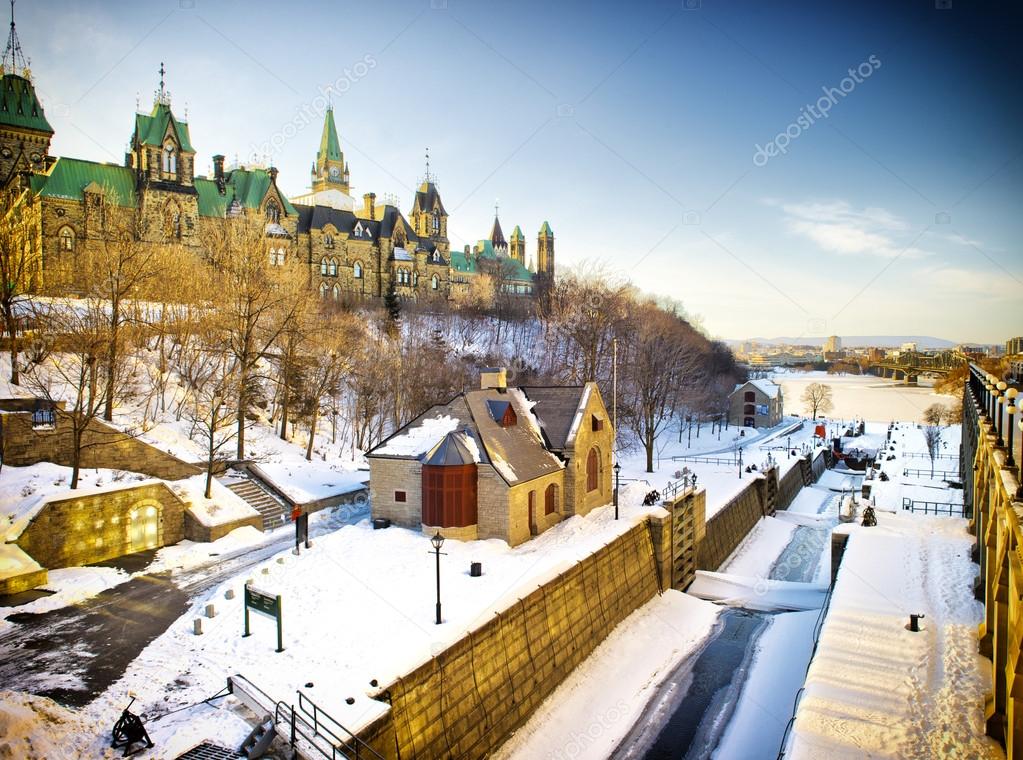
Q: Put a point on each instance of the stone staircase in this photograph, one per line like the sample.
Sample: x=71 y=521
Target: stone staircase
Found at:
x=269 y=506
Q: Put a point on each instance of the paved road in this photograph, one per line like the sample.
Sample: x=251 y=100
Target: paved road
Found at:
x=74 y=653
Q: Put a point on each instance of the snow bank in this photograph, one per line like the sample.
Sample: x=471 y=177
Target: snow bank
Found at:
x=757 y=593
x=874 y=688
x=13 y=561
x=594 y=708
x=224 y=506
x=757 y=553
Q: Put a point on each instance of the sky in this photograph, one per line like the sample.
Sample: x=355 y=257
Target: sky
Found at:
x=779 y=168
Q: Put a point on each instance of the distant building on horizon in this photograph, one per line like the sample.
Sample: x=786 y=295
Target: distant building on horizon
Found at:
x=832 y=345
x=756 y=404
x=1014 y=346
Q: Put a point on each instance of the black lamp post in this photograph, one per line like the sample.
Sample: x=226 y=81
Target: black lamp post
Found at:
x=1010 y=398
x=740 y=462
x=1000 y=402
x=618 y=469
x=437 y=541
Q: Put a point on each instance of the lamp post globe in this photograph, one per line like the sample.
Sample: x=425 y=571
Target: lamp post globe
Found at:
x=1010 y=399
x=437 y=541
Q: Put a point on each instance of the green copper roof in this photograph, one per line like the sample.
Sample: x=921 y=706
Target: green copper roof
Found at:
x=247 y=186
x=70 y=176
x=517 y=234
x=330 y=146
x=150 y=130
x=461 y=263
x=19 y=106
x=513 y=270
x=546 y=230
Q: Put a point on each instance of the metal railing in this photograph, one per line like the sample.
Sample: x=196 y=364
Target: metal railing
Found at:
x=925 y=455
x=322 y=722
x=922 y=473
x=706 y=460
x=935 y=507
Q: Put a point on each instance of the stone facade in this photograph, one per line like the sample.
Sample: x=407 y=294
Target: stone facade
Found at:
x=24 y=443
x=196 y=531
x=388 y=478
x=82 y=529
x=586 y=438
x=749 y=405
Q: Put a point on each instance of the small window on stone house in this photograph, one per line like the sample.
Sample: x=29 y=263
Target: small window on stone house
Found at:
x=596 y=424
x=44 y=418
x=328 y=241
x=324 y=266
x=436 y=223
x=357 y=270
x=750 y=396
x=273 y=212
x=400 y=496
x=66 y=236
x=434 y=282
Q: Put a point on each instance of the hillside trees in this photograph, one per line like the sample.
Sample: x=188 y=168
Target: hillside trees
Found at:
x=257 y=300
x=19 y=256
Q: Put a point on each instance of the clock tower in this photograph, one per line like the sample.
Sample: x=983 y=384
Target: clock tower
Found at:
x=330 y=172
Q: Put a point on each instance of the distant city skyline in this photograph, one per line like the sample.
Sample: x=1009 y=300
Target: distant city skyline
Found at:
x=846 y=169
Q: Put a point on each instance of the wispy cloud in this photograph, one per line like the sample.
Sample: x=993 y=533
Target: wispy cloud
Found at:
x=956 y=281
x=840 y=228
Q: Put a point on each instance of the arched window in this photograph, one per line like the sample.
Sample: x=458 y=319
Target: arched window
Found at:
x=276 y=257
x=328 y=241
x=436 y=223
x=273 y=211
x=550 y=499
x=357 y=270
x=324 y=287
x=434 y=282
x=66 y=236
x=336 y=291
x=324 y=266
x=750 y=396
x=593 y=470
x=415 y=279
x=170 y=158
x=332 y=267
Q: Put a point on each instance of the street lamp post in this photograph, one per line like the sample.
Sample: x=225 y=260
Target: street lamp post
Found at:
x=1010 y=397
x=999 y=403
x=617 y=468
x=437 y=541
x=740 y=462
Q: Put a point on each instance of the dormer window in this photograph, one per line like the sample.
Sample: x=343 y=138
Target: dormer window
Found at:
x=328 y=241
x=502 y=413
x=170 y=158
x=596 y=424
x=273 y=212
x=436 y=257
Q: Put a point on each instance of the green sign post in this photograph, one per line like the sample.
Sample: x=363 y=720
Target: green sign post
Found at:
x=267 y=604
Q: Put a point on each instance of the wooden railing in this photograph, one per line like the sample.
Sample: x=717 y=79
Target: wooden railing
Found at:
x=994 y=494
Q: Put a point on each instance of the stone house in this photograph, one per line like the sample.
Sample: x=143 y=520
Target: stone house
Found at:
x=497 y=462
x=756 y=404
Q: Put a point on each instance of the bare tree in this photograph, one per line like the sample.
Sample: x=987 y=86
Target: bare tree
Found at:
x=933 y=417
x=19 y=261
x=816 y=399
x=212 y=418
x=258 y=298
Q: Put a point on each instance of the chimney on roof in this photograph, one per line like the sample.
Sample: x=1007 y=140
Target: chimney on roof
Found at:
x=218 y=172
x=369 y=205
x=273 y=174
x=494 y=378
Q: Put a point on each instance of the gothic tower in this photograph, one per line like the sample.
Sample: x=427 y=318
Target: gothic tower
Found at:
x=497 y=236
x=25 y=133
x=518 y=245
x=545 y=251
x=330 y=170
x=428 y=217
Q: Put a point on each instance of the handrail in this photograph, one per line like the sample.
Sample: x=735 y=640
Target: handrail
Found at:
x=937 y=507
x=318 y=713
x=918 y=472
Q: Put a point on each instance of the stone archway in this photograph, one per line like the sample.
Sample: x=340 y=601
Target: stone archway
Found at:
x=144 y=529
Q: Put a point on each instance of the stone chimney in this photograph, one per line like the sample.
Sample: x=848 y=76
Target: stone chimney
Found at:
x=273 y=174
x=218 y=172
x=494 y=378
x=369 y=205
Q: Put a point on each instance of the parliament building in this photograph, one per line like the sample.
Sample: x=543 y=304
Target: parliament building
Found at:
x=352 y=250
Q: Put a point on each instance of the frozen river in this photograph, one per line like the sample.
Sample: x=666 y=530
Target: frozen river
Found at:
x=872 y=398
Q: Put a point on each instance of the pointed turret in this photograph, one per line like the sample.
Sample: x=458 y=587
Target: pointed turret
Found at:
x=330 y=170
x=24 y=131
x=497 y=235
x=517 y=249
x=545 y=251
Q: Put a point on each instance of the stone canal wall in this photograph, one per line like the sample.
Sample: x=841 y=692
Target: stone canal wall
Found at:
x=732 y=523
x=469 y=699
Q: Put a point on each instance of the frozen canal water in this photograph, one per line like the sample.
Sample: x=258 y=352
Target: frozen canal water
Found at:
x=704 y=708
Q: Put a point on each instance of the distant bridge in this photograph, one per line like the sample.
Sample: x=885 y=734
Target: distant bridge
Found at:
x=910 y=365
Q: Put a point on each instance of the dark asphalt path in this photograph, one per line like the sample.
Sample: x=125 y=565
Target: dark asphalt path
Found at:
x=73 y=654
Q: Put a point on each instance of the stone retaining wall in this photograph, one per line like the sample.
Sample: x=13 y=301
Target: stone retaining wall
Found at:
x=196 y=531
x=732 y=523
x=23 y=444
x=469 y=699
x=82 y=529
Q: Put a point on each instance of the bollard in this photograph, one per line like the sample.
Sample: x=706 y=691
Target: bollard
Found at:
x=265 y=571
x=197 y=627
x=229 y=594
x=475 y=569
x=280 y=560
x=211 y=611
x=914 y=622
